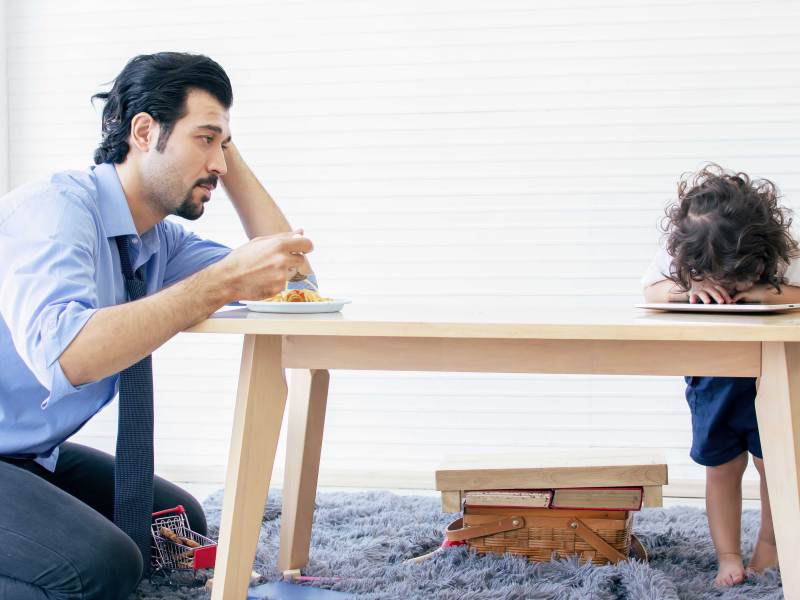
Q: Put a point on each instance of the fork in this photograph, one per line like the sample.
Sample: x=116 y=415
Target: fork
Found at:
x=297 y=277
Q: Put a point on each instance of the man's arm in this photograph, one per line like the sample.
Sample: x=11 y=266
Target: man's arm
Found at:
x=119 y=336
x=257 y=211
x=116 y=337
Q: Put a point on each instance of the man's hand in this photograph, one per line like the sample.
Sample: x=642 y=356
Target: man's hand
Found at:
x=706 y=292
x=261 y=267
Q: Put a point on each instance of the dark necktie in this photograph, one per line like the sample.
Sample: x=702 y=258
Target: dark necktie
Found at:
x=133 y=467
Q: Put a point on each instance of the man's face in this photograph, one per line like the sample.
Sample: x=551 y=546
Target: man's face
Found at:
x=179 y=177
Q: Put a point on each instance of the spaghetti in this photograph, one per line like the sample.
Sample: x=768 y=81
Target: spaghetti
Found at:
x=298 y=296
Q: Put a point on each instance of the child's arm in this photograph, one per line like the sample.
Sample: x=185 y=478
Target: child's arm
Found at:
x=665 y=291
x=659 y=288
x=766 y=294
x=702 y=292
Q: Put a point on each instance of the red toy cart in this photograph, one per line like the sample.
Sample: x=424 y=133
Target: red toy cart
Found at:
x=176 y=546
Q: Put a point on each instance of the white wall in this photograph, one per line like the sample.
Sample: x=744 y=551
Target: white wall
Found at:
x=440 y=151
x=3 y=100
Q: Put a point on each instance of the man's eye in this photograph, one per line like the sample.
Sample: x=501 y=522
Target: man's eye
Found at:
x=208 y=139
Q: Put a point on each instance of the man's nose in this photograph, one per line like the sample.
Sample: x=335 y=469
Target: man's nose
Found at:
x=218 y=165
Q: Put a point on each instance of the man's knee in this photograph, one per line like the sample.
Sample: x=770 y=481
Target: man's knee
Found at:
x=58 y=545
x=113 y=571
x=108 y=568
x=196 y=515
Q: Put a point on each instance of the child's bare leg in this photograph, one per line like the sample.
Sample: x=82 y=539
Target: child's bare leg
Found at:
x=765 y=554
x=724 y=508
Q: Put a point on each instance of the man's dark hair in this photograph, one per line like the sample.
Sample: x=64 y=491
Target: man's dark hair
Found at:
x=156 y=84
x=727 y=228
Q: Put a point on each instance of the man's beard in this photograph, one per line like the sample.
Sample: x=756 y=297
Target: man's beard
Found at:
x=163 y=189
x=188 y=209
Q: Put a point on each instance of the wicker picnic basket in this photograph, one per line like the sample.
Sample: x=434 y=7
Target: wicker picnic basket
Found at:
x=601 y=537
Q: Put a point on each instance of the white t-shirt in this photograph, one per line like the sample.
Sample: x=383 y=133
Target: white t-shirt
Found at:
x=660 y=265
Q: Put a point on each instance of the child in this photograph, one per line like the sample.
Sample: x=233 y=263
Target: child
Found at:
x=727 y=240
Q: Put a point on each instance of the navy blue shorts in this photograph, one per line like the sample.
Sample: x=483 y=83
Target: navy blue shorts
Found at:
x=723 y=418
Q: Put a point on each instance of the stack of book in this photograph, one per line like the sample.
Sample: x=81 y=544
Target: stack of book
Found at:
x=586 y=498
x=614 y=479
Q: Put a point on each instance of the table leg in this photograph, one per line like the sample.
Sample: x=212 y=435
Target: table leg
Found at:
x=308 y=400
x=260 y=402
x=778 y=410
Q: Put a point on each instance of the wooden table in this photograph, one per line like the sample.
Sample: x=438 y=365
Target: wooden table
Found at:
x=625 y=341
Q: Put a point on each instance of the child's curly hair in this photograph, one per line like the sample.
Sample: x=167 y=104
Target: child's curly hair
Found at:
x=727 y=228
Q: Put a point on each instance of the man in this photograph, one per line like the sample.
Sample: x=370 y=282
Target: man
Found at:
x=92 y=280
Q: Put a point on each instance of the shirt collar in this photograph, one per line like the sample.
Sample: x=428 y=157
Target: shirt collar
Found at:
x=116 y=214
x=111 y=201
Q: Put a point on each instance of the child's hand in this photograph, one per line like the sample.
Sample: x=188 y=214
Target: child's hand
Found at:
x=707 y=292
x=763 y=294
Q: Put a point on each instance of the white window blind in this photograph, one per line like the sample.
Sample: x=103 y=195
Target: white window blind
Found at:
x=439 y=152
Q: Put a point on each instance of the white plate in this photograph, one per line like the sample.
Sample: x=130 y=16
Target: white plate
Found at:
x=332 y=305
x=720 y=308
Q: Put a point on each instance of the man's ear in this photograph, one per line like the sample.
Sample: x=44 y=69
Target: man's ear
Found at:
x=144 y=132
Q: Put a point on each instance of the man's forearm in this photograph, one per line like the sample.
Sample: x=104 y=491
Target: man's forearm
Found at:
x=257 y=211
x=118 y=336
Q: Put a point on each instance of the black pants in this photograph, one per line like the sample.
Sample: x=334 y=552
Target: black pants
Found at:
x=57 y=541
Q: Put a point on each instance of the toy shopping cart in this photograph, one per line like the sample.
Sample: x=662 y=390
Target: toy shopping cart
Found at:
x=176 y=546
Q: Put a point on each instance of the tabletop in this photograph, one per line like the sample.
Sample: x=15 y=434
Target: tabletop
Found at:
x=465 y=321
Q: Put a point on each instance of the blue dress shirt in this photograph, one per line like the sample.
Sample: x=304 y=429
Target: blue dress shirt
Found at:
x=58 y=265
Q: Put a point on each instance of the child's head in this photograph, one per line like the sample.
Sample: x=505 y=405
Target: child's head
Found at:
x=728 y=229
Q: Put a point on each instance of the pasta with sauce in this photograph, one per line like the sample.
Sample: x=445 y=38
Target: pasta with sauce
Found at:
x=298 y=296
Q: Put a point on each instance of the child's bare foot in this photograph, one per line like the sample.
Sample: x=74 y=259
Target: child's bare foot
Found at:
x=765 y=556
x=731 y=570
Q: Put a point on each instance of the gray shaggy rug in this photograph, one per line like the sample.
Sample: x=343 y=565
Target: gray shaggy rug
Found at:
x=364 y=538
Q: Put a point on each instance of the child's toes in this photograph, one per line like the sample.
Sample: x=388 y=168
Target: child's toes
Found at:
x=731 y=572
x=726 y=580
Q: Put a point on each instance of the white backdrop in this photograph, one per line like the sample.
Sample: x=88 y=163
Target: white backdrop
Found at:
x=439 y=151
x=3 y=102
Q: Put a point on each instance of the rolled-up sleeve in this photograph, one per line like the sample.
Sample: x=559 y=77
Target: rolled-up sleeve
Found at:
x=47 y=294
x=188 y=253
